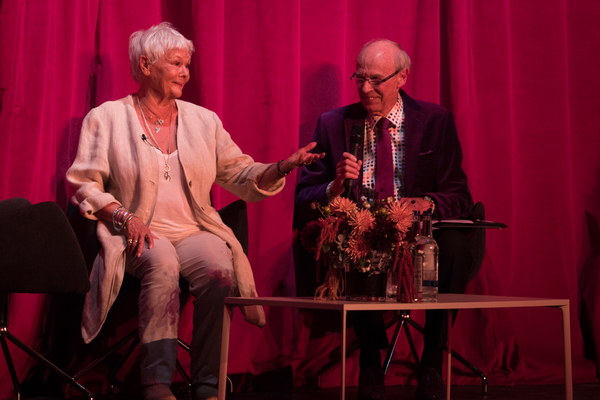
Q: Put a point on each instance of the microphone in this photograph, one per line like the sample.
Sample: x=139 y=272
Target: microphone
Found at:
x=356 y=142
x=144 y=137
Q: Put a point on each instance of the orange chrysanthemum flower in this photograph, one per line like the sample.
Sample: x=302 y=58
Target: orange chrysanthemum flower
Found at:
x=401 y=213
x=357 y=248
x=342 y=205
x=362 y=220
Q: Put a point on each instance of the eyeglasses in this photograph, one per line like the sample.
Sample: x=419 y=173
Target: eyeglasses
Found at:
x=374 y=82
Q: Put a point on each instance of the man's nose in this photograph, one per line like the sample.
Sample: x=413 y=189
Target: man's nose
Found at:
x=366 y=87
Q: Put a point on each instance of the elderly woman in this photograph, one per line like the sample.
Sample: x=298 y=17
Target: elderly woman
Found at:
x=144 y=170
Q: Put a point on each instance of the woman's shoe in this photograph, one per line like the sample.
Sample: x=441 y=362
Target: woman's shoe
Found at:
x=158 y=392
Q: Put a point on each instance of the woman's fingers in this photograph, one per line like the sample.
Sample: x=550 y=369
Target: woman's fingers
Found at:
x=137 y=233
x=304 y=157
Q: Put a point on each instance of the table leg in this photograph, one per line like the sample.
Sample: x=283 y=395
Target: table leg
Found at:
x=224 y=354
x=449 y=356
x=343 y=383
x=567 y=351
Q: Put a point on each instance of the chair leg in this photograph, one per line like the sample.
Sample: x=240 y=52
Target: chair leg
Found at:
x=188 y=380
x=111 y=377
x=9 y=363
x=134 y=339
x=44 y=361
x=132 y=335
x=183 y=345
x=184 y=375
x=181 y=370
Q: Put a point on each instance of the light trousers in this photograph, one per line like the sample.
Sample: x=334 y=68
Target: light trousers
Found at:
x=206 y=262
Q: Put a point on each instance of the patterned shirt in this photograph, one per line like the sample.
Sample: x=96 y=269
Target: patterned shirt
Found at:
x=396 y=129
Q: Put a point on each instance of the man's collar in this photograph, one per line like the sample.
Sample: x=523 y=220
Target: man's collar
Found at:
x=394 y=115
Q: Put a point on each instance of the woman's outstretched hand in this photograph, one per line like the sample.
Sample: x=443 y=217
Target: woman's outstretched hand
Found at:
x=300 y=157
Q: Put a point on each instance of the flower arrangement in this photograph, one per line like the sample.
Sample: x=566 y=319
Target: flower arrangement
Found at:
x=370 y=237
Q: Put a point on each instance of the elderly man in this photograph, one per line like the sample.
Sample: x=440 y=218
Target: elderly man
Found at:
x=411 y=150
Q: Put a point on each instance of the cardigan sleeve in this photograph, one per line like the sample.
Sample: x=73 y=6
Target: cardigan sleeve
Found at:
x=89 y=174
x=238 y=172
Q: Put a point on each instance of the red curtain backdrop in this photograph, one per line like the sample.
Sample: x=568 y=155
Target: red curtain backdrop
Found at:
x=522 y=78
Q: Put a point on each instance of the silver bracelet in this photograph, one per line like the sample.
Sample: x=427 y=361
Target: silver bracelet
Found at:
x=115 y=219
x=128 y=218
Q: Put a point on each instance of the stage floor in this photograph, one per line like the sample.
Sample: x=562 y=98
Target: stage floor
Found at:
x=588 y=391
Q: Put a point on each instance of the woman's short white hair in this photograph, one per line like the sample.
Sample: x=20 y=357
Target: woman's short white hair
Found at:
x=154 y=43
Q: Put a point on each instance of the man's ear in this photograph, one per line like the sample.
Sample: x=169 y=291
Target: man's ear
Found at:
x=402 y=75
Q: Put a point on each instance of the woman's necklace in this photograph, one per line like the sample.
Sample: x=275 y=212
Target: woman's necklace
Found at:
x=167 y=168
x=159 y=121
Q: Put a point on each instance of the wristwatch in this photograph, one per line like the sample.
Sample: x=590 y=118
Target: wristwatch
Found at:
x=431 y=202
x=328 y=192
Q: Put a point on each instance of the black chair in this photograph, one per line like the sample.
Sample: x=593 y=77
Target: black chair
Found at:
x=39 y=253
x=476 y=237
x=234 y=215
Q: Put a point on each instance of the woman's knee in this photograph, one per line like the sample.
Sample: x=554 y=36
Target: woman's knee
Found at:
x=210 y=271
x=215 y=282
x=157 y=266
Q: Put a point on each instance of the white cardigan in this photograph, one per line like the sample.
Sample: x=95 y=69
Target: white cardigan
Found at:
x=114 y=164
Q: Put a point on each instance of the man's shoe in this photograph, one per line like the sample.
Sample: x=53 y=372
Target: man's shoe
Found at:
x=371 y=384
x=430 y=385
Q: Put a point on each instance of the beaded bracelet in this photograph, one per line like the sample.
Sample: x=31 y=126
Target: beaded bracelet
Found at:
x=279 y=171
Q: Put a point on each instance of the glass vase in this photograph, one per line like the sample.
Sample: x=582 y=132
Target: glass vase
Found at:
x=365 y=286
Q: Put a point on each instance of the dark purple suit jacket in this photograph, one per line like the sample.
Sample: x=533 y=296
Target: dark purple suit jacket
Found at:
x=433 y=158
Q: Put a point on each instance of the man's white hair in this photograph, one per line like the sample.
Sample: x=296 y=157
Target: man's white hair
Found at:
x=401 y=58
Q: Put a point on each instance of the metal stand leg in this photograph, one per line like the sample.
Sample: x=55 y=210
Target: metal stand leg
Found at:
x=401 y=320
x=111 y=377
x=40 y=359
x=405 y=320
x=477 y=371
x=131 y=336
x=11 y=366
x=180 y=368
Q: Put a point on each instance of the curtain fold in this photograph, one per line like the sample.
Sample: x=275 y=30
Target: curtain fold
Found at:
x=521 y=78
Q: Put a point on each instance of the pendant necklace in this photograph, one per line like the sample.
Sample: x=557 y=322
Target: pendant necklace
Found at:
x=158 y=124
x=159 y=121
